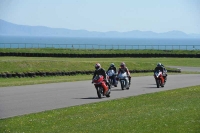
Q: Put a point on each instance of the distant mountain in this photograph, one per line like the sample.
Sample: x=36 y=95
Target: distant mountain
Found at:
x=7 y=28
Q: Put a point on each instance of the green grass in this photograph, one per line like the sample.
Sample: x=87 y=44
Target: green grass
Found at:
x=174 y=111
x=4 y=82
x=34 y=64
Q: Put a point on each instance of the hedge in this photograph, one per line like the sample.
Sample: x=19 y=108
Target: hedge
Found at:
x=62 y=73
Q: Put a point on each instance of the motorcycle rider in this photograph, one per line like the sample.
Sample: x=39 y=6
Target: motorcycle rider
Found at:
x=124 y=68
x=100 y=71
x=161 y=68
x=112 y=67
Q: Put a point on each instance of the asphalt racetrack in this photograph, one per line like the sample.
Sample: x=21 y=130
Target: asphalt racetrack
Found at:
x=20 y=100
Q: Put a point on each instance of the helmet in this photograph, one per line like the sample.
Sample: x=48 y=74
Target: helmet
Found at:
x=122 y=64
x=159 y=65
x=97 y=66
x=112 y=64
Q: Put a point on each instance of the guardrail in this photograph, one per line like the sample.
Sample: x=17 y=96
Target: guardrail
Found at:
x=97 y=46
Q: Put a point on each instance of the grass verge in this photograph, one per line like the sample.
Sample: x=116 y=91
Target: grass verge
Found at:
x=174 y=111
x=45 y=64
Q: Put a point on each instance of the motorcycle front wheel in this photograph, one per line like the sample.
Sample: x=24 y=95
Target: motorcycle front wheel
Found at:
x=99 y=92
x=110 y=81
x=122 y=82
x=108 y=95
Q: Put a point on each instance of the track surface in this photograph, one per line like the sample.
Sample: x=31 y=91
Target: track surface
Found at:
x=183 y=68
x=20 y=100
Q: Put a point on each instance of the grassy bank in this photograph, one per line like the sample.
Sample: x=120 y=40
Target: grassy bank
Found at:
x=174 y=111
x=34 y=64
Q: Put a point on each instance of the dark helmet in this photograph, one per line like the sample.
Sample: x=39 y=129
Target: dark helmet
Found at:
x=159 y=65
x=112 y=65
x=97 y=66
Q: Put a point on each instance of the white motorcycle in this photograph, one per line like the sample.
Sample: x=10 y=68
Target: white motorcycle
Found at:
x=124 y=80
x=111 y=75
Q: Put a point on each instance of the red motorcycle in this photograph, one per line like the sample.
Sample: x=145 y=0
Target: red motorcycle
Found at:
x=102 y=88
x=159 y=79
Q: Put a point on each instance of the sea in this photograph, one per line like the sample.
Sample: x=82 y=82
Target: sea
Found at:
x=99 y=43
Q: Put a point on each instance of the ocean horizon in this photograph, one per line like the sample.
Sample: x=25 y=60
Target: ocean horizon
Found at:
x=99 y=43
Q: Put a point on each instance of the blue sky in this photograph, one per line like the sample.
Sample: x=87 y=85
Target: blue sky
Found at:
x=105 y=15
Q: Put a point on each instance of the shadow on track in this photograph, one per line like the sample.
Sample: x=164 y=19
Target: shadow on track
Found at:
x=151 y=87
x=116 y=90
x=89 y=98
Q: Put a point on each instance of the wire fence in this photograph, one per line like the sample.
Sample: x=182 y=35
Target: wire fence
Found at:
x=97 y=46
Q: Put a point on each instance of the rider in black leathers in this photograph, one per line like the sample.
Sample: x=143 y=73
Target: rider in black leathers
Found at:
x=112 y=67
x=162 y=69
x=100 y=71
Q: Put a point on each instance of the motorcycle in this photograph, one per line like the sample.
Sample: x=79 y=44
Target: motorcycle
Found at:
x=124 y=80
x=158 y=78
x=111 y=75
x=101 y=86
